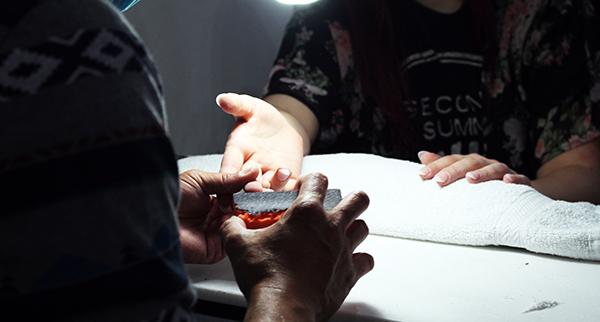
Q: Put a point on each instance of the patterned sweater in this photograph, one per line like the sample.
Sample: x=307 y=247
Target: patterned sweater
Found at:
x=88 y=178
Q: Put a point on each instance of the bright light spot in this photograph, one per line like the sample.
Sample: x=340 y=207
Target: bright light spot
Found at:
x=296 y=2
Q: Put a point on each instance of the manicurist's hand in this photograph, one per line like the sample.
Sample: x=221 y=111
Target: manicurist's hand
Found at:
x=200 y=215
x=261 y=138
x=476 y=168
x=302 y=267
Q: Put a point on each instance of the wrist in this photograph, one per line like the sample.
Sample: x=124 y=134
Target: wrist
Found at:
x=268 y=303
x=300 y=130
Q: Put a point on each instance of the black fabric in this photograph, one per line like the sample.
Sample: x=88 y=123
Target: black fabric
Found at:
x=38 y=185
x=12 y=11
x=149 y=280
x=444 y=80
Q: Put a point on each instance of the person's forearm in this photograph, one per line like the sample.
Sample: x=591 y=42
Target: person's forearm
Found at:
x=293 y=122
x=270 y=305
x=298 y=116
x=572 y=183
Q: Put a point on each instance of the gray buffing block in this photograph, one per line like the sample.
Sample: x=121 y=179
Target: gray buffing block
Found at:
x=260 y=202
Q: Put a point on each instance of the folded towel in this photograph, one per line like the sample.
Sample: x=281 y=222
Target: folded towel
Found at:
x=491 y=213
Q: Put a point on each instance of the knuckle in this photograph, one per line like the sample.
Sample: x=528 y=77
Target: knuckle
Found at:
x=320 y=178
x=233 y=241
x=502 y=167
x=308 y=205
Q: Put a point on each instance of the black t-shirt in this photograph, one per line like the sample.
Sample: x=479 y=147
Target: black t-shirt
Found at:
x=533 y=107
x=442 y=69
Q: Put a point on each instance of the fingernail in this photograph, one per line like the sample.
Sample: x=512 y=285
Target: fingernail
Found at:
x=253 y=187
x=424 y=172
x=420 y=154
x=283 y=174
x=472 y=176
x=441 y=177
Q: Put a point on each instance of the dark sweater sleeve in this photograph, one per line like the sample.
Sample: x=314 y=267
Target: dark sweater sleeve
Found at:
x=88 y=178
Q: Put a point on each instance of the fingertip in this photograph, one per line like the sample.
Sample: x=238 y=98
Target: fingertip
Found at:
x=426 y=173
x=442 y=178
x=251 y=173
x=363 y=263
x=283 y=174
x=472 y=177
x=221 y=98
x=232 y=225
x=253 y=186
x=362 y=198
x=427 y=157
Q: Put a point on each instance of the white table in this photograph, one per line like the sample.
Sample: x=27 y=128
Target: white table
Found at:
x=422 y=281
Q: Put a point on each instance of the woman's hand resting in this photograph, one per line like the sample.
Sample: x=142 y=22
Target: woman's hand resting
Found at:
x=476 y=168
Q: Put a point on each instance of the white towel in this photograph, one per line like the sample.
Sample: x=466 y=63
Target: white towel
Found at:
x=491 y=213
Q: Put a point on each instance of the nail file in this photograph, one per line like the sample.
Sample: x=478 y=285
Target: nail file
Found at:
x=262 y=209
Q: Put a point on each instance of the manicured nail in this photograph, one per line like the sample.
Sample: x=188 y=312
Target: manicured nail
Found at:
x=473 y=176
x=441 y=177
x=424 y=172
x=420 y=154
x=253 y=187
x=283 y=174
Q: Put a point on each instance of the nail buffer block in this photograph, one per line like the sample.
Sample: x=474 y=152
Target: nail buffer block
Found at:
x=262 y=209
x=260 y=202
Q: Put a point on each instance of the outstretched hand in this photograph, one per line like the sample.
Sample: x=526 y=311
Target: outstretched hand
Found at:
x=200 y=215
x=263 y=139
x=476 y=168
x=303 y=266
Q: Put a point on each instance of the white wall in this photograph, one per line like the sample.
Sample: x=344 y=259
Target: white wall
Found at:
x=203 y=48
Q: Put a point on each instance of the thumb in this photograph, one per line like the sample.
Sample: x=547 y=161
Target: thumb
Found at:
x=227 y=183
x=221 y=183
x=242 y=106
x=232 y=229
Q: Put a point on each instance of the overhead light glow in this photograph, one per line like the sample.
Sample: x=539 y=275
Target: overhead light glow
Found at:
x=296 y=2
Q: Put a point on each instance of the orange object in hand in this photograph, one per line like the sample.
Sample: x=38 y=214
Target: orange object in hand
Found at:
x=262 y=220
x=262 y=209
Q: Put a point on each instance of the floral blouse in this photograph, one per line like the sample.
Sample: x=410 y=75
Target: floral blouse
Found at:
x=544 y=89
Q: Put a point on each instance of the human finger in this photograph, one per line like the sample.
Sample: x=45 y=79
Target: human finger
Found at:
x=494 y=171
x=221 y=183
x=363 y=263
x=241 y=106
x=233 y=227
x=356 y=233
x=459 y=169
x=350 y=208
x=427 y=157
x=233 y=159
x=278 y=179
x=431 y=169
x=516 y=179
x=313 y=188
x=256 y=184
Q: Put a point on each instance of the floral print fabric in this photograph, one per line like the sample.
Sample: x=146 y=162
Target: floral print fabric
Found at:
x=543 y=87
